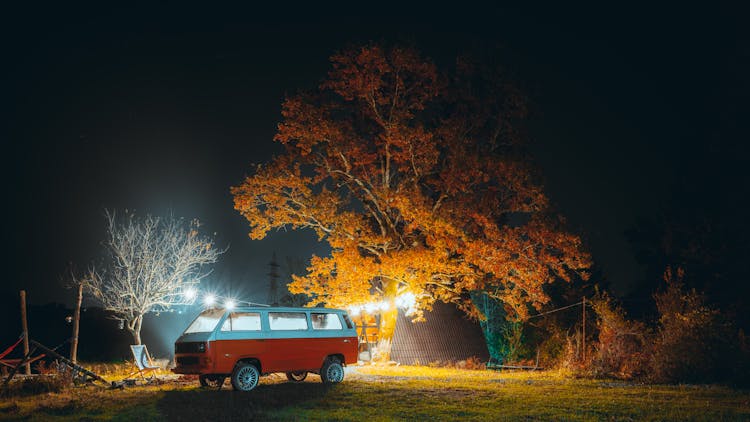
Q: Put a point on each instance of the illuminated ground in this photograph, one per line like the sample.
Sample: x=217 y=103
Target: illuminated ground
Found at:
x=373 y=394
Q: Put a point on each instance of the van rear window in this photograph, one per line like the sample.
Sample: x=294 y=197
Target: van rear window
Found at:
x=348 y=321
x=242 y=321
x=287 y=320
x=325 y=321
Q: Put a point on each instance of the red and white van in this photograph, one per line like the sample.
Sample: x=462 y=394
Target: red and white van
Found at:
x=245 y=343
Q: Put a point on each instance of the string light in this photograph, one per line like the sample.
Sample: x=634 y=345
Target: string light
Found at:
x=406 y=301
x=190 y=293
x=211 y=300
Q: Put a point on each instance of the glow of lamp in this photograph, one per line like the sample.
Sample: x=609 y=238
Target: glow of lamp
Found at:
x=190 y=293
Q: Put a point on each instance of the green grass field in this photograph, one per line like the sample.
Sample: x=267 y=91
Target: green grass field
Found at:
x=388 y=393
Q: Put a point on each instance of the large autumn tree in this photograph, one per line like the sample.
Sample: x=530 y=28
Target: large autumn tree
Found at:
x=418 y=182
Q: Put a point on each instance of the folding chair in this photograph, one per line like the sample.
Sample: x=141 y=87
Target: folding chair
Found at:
x=143 y=362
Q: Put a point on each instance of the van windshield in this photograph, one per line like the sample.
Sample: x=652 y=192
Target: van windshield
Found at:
x=206 y=321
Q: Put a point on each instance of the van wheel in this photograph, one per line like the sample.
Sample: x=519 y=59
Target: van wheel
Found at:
x=298 y=376
x=213 y=381
x=245 y=376
x=332 y=371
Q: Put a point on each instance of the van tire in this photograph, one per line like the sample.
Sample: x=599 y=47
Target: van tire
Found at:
x=245 y=376
x=297 y=376
x=332 y=371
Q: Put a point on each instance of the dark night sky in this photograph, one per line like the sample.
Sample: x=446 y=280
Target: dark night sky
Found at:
x=167 y=108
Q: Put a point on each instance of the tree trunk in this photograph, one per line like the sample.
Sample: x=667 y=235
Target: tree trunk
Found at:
x=387 y=323
x=134 y=326
x=385 y=334
x=76 y=321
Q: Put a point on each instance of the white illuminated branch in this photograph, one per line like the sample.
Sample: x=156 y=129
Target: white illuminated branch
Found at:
x=152 y=264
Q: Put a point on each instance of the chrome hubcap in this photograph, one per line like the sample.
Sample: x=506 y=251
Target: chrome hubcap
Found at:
x=335 y=373
x=248 y=378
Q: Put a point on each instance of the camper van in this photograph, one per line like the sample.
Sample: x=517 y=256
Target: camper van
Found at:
x=245 y=343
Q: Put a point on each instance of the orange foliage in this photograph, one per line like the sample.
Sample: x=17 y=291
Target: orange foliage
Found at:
x=418 y=183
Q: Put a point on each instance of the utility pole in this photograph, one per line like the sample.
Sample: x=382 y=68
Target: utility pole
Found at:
x=25 y=329
x=273 y=282
x=583 y=352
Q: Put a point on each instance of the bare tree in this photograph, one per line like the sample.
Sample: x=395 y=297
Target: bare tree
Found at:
x=152 y=263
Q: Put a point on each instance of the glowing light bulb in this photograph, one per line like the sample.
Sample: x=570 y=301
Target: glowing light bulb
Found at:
x=406 y=300
x=229 y=304
x=190 y=293
x=209 y=300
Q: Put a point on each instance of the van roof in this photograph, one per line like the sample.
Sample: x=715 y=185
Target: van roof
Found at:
x=282 y=309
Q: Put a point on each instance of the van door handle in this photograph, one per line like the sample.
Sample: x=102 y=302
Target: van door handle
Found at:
x=346 y=340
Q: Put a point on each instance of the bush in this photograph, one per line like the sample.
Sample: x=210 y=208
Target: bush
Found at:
x=741 y=377
x=622 y=349
x=552 y=349
x=692 y=342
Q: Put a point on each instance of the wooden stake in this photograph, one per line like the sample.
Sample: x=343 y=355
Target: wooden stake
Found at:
x=364 y=330
x=76 y=319
x=25 y=329
x=583 y=352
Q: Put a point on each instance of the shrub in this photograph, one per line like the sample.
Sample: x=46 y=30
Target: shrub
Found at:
x=622 y=349
x=692 y=343
x=741 y=377
x=552 y=348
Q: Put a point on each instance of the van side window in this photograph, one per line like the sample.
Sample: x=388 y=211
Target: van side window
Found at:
x=325 y=321
x=287 y=320
x=242 y=321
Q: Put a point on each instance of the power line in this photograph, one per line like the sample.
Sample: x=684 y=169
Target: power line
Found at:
x=555 y=310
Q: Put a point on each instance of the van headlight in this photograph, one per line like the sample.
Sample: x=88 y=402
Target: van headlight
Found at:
x=201 y=347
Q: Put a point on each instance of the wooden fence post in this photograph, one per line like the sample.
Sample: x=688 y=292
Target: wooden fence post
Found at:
x=25 y=329
x=76 y=319
x=583 y=351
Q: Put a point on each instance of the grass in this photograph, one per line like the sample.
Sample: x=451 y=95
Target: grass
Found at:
x=388 y=393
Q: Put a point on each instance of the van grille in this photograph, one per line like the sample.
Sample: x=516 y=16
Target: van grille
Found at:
x=190 y=347
x=187 y=360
